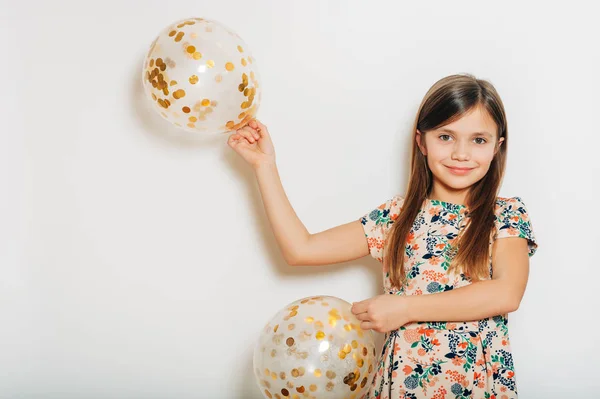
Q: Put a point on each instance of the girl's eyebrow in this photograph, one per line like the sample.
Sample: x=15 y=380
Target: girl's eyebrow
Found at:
x=444 y=129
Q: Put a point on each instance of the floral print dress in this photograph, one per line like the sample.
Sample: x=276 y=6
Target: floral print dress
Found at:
x=438 y=359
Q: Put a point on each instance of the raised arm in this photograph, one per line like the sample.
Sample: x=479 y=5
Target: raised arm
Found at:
x=298 y=246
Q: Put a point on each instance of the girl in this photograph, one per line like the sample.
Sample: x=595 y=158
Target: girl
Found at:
x=449 y=278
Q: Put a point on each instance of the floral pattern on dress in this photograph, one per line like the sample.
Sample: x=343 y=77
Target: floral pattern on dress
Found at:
x=438 y=359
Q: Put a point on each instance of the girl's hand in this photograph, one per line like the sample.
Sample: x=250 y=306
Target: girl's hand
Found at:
x=253 y=143
x=382 y=313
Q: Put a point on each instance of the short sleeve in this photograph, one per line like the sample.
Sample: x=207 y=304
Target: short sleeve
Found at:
x=512 y=220
x=376 y=224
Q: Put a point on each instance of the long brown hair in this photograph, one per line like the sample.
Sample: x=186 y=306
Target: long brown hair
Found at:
x=446 y=101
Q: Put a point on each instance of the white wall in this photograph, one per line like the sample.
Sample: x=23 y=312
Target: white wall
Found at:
x=137 y=261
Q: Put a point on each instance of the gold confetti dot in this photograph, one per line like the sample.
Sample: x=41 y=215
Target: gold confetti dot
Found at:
x=342 y=354
x=191 y=125
x=329 y=387
x=218 y=78
x=179 y=36
x=273 y=375
x=330 y=374
x=193 y=79
x=173 y=83
x=360 y=362
x=276 y=327
x=308 y=319
x=210 y=64
x=285 y=392
x=313 y=388
x=172 y=33
x=240 y=49
x=192 y=119
x=229 y=66
x=244 y=62
x=290 y=340
x=268 y=394
x=300 y=389
x=347 y=348
x=197 y=55
x=354 y=344
x=317 y=373
x=179 y=94
x=291 y=326
x=205 y=102
x=282 y=375
x=191 y=49
x=295 y=373
x=320 y=335
x=186 y=110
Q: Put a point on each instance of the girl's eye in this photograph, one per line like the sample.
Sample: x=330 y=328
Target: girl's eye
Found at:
x=444 y=135
x=483 y=141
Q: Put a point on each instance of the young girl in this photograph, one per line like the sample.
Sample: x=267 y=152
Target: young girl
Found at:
x=449 y=278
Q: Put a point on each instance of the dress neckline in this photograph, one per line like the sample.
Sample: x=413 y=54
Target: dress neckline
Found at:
x=445 y=203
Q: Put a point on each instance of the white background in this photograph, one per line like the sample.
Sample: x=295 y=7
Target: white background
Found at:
x=137 y=261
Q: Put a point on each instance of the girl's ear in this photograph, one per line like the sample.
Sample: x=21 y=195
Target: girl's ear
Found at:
x=499 y=144
x=419 y=138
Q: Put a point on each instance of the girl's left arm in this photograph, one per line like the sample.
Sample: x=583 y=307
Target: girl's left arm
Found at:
x=502 y=294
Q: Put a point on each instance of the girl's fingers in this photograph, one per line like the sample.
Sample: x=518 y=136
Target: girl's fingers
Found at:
x=362 y=316
x=367 y=325
x=249 y=133
x=262 y=128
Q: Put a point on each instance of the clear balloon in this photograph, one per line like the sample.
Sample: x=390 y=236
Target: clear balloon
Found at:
x=314 y=348
x=201 y=76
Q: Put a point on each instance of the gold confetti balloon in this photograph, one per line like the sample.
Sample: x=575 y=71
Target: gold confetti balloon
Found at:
x=314 y=348
x=201 y=76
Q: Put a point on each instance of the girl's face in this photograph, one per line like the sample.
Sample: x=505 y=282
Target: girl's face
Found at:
x=459 y=154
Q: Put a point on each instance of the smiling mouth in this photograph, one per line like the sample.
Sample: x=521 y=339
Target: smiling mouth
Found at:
x=455 y=168
x=460 y=171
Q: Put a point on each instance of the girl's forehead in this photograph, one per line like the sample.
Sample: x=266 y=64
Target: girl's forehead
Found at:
x=476 y=121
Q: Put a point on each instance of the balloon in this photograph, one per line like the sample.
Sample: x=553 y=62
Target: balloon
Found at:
x=202 y=77
x=314 y=348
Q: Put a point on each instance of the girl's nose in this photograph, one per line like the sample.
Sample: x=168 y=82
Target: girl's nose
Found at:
x=460 y=152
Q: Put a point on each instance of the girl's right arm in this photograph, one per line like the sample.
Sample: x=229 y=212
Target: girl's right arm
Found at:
x=298 y=246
